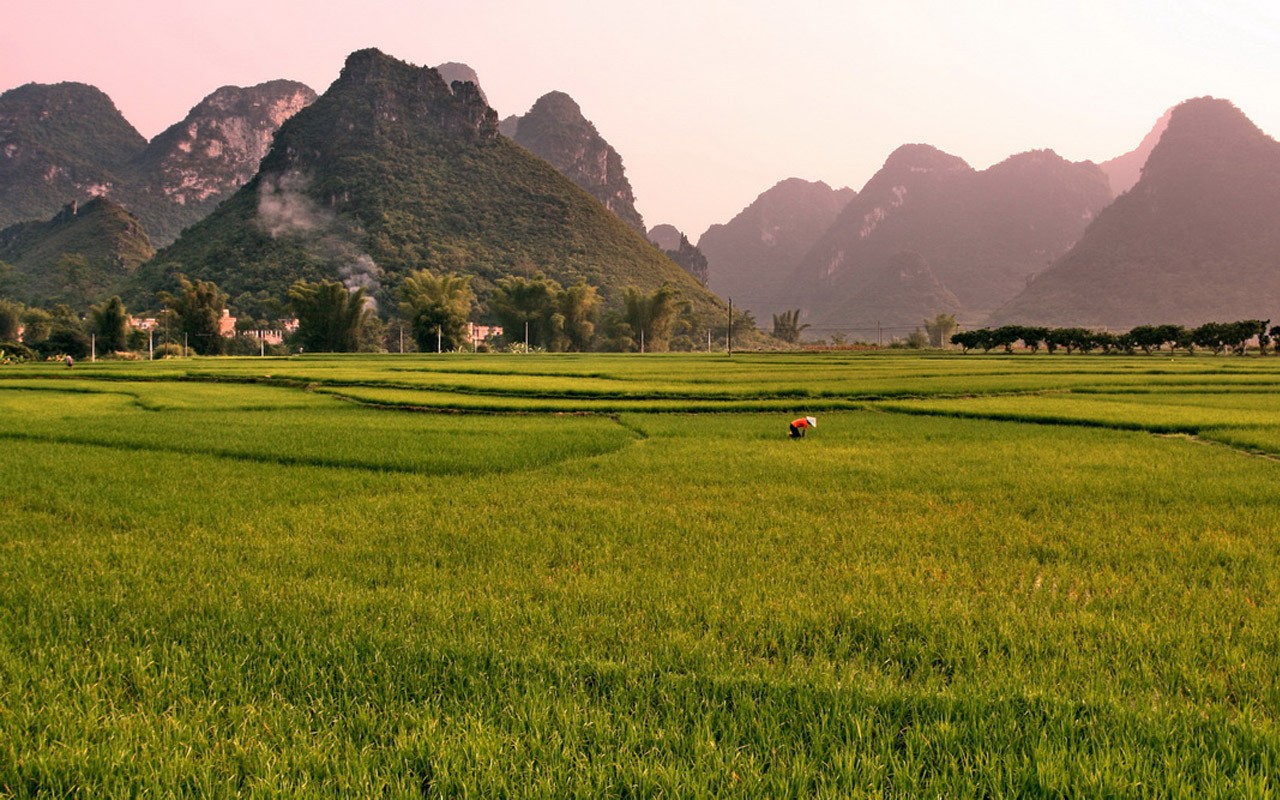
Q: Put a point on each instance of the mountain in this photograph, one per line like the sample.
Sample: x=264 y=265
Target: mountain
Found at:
x=83 y=255
x=1195 y=240
x=665 y=236
x=68 y=142
x=189 y=168
x=750 y=257
x=1123 y=171
x=900 y=295
x=555 y=130
x=391 y=170
x=59 y=142
x=981 y=233
x=677 y=247
x=451 y=71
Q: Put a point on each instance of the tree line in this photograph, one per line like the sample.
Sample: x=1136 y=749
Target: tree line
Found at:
x=434 y=309
x=1217 y=337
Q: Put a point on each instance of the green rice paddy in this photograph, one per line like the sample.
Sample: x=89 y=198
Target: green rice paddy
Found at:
x=614 y=576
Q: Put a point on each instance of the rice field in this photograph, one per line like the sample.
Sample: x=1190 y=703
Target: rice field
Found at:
x=614 y=576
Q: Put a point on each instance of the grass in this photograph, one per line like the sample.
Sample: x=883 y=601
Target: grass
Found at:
x=637 y=603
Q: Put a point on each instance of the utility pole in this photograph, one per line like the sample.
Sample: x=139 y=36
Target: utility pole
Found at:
x=401 y=338
x=93 y=347
x=437 y=338
x=708 y=340
x=642 y=341
x=526 y=335
x=151 y=344
x=878 y=337
x=730 y=336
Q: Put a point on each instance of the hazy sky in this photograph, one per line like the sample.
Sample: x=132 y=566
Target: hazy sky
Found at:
x=710 y=102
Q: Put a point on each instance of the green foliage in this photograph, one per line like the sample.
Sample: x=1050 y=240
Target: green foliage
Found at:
x=197 y=308
x=330 y=318
x=787 y=327
x=437 y=308
x=110 y=323
x=528 y=306
x=79 y=257
x=66 y=338
x=917 y=340
x=10 y=320
x=12 y=352
x=649 y=317
x=558 y=319
x=940 y=329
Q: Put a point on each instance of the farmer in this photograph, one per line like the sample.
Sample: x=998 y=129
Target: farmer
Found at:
x=70 y=361
x=799 y=426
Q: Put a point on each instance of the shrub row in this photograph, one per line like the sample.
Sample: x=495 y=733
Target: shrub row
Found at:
x=1216 y=336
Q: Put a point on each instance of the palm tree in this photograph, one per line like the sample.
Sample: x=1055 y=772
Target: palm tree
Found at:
x=437 y=308
x=650 y=316
x=329 y=316
x=787 y=327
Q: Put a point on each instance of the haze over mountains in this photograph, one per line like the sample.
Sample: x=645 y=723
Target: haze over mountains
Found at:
x=1196 y=239
x=1035 y=238
x=973 y=236
x=751 y=257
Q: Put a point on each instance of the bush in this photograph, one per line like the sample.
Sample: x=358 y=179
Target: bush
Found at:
x=15 y=353
x=169 y=350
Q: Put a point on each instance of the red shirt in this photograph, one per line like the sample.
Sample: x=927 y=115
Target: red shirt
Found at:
x=800 y=423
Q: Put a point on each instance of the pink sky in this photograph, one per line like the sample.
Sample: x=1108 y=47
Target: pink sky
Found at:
x=710 y=103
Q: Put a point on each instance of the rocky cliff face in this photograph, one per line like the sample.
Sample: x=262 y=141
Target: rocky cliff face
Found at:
x=193 y=165
x=217 y=147
x=1195 y=240
x=556 y=131
x=980 y=233
x=68 y=142
x=58 y=143
x=751 y=256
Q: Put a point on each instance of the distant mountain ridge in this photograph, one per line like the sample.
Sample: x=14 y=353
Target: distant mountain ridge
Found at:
x=1195 y=240
x=751 y=257
x=980 y=234
x=392 y=170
